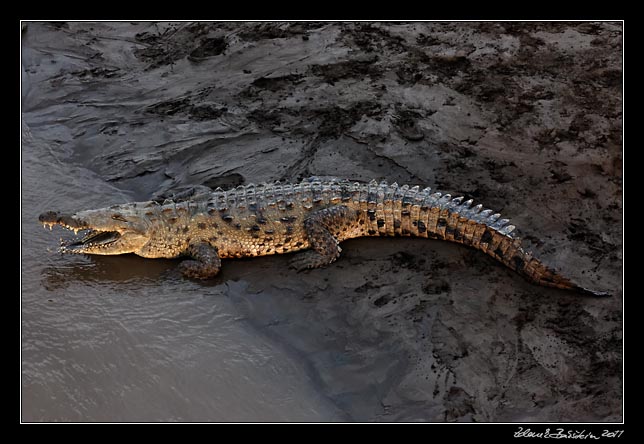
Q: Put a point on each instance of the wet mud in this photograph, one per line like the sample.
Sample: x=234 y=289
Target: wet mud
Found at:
x=525 y=118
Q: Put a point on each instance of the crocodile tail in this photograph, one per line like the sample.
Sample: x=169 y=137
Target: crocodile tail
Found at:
x=488 y=232
x=536 y=272
x=391 y=210
x=586 y=291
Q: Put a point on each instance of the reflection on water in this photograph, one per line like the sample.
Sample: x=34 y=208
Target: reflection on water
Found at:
x=107 y=270
x=127 y=339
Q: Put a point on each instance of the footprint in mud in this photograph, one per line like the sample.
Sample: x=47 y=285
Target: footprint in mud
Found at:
x=405 y=124
x=209 y=47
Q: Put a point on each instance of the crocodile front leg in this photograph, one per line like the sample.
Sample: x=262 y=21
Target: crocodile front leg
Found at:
x=319 y=228
x=205 y=263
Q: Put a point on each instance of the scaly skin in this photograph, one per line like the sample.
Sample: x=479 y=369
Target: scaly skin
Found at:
x=283 y=218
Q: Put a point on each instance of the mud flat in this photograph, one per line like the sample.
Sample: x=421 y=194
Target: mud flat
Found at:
x=525 y=118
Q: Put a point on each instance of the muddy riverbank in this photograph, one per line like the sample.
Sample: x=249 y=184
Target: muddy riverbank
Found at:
x=525 y=118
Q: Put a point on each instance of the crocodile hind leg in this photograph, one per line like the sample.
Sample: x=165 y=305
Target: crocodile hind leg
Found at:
x=205 y=262
x=320 y=228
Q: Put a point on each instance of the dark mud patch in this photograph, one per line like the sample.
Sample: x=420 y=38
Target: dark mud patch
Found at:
x=573 y=321
x=425 y=40
x=418 y=67
x=459 y=405
x=405 y=260
x=367 y=287
x=317 y=123
x=510 y=98
x=169 y=107
x=447 y=66
x=208 y=47
x=268 y=31
x=349 y=69
x=277 y=83
x=171 y=42
x=372 y=38
x=185 y=106
x=503 y=172
x=383 y=300
x=334 y=121
x=436 y=286
x=206 y=112
x=600 y=360
x=98 y=72
x=58 y=25
x=579 y=230
x=406 y=123
x=225 y=182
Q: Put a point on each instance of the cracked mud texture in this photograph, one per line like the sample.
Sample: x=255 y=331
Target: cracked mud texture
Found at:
x=525 y=118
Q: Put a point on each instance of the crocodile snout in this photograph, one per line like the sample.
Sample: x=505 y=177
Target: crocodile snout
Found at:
x=56 y=218
x=50 y=217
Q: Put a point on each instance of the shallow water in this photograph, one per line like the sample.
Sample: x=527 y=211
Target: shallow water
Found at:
x=126 y=339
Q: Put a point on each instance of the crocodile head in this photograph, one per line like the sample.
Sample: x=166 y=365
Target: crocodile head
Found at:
x=119 y=229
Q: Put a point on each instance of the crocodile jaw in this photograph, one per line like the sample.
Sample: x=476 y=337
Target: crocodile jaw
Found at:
x=99 y=236
x=93 y=242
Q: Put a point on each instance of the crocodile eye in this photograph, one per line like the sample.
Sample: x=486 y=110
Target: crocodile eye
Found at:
x=118 y=217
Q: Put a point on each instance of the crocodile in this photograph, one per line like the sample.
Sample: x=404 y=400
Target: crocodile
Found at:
x=313 y=215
